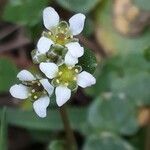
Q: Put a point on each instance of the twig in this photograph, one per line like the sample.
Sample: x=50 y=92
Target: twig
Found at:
x=14 y=44
x=7 y=30
x=71 y=142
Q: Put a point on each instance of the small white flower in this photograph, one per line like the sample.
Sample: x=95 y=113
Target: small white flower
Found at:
x=66 y=78
x=38 y=90
x=51 y=19
x=61 y=35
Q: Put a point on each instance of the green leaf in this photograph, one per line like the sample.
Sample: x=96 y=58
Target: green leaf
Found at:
x=106 y=141
x=57 y=145
x=88 y=61
x=128 y=74
x=83 y=6
x=29 y=13
x=8 y=72
x=102 y=81
x=135 y=86
x=147 y=54
x=3 y=131
x=113 y=113
x=53 y=121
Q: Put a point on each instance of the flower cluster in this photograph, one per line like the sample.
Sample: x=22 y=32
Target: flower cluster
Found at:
x=57 y=56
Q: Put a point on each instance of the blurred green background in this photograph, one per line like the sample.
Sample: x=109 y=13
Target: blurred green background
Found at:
x=114 y=114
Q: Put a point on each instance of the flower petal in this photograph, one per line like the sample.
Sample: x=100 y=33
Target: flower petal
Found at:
x=77 y=23
x=49 y=69
x=70 y=60
x=47 y=86
x=75 y=49
x=44 y=44
x=19 y=91
x=85 y=79
x=50 y=18
x=63 y=94
x=41 y=105
x=25 y=75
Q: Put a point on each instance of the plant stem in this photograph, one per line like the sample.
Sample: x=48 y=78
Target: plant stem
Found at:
x=147 y=143
x=71 y=142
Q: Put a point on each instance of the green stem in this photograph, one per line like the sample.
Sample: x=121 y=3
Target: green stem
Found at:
x=147 y=143
x=71 y=142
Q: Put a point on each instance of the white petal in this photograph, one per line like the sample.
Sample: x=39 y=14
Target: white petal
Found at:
x=70 y=60
x=77 y=23
x=47 y=86
x=50 y=17
x=85 y=79
x=75 y=49
x=19 y=91
x=41 y=105
x=63 y=94
x=25 y=75
x=44 y=44
x=49 y=69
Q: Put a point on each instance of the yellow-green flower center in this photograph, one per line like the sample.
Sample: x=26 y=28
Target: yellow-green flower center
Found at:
x=61 y=38
x=67 y=76
x=60 y=34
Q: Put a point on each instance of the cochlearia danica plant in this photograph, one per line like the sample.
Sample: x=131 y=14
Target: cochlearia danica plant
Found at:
x=57 y=56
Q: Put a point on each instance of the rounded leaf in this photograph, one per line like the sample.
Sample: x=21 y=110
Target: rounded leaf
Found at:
x=107 y=141
x=110 y=113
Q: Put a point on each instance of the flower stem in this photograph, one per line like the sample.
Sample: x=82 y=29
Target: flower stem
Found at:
x=147 y=144
x=71 y=142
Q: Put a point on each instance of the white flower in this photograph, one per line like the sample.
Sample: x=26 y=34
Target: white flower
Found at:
x=38 y=90
x=51 y=21
x=65 y=77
